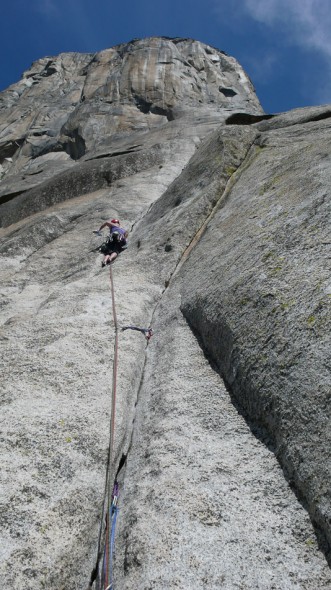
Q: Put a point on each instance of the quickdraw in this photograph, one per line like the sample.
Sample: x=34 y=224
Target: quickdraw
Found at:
x=148 y=332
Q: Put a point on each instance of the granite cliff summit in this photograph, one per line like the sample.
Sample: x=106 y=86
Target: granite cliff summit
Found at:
x=224 y=420
x=82 y=107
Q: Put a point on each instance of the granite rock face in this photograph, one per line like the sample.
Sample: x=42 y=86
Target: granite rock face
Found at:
x=73 y=105
x=263 y=309
x=224 y=417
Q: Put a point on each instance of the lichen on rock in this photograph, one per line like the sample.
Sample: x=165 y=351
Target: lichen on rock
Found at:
x=224 y=417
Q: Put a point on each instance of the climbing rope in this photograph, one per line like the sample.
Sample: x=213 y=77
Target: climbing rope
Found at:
x=112 y=517
x=105 y=576
x=112 y=488
x=111 y=491
x=115 y=363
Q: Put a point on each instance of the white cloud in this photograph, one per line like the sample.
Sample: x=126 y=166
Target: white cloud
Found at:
x=262 y=11
x=306 y=23
x=46 y=7
x=262 y=66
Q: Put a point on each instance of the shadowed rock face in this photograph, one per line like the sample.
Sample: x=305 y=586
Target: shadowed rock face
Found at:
x=262 y=311
x=228 y=214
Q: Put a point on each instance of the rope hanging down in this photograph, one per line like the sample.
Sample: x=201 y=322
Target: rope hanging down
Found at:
x=110 y=540
x=112 y=487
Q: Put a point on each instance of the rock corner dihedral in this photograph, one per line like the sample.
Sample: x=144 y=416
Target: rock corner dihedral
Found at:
x=227 y=211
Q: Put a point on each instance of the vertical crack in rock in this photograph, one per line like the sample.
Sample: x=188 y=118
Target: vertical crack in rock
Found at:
x=250 y=158
x=264 y=366
x=230 y=239
x=220 y=202
x=75 y=146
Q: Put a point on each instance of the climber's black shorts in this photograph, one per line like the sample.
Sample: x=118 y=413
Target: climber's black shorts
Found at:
x=109 y=247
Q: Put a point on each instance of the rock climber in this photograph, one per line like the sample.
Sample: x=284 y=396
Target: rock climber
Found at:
x=116 y=243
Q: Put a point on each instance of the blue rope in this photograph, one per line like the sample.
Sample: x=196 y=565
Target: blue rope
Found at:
x=113 y=512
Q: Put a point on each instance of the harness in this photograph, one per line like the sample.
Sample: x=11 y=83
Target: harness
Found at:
x=115 y=241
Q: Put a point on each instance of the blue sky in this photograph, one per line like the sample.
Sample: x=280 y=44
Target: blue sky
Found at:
x=284 y=45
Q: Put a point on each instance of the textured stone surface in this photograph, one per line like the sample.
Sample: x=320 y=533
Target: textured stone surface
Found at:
x=227 y=258
x=205 y=503
x=71 y=105
x=263 y=309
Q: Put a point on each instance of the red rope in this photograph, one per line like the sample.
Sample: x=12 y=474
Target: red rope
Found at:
x=115 y=364
x=113 y=297
x=108 y=565
x=106 y=557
